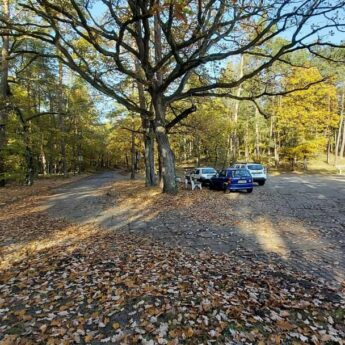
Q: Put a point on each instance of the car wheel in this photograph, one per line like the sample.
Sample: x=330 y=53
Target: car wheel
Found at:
x=249 y=190
x=261 y=183
x=211 y=186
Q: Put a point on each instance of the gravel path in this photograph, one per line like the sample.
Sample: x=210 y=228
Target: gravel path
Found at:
x=299 y=220
x=83 y=201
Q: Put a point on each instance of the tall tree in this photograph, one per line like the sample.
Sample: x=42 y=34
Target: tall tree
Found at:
x=305 y=117
x=61 y=110
x=195 y=35
x=4 y=90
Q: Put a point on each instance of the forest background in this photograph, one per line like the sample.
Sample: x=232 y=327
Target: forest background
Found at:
x=57 y=124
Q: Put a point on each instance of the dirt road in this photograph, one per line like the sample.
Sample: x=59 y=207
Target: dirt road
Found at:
x=299 y=220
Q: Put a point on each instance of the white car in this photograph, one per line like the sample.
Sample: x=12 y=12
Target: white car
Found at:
x=258 y=171
x=203 y=174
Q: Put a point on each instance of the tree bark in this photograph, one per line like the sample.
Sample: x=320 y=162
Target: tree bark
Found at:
x=197 y=147
x=257 y=134
x=276 y=152
x=328 y=133
x=328 y=150
x=29 y=160
x=246 y=142
x=43 y=160
x=149 y=142
x=165 y=152
x=235 y=139
x=342 y=148
x=30 y=169
x=166 y=155
x=184 y=149
x=4 y=94
x=341 y=123
x=149 y=137
x=62 y=124
x=228 y=150
x=133 y=153
x=160 y=170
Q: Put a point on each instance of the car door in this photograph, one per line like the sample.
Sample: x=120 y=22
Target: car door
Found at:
x=221 y=179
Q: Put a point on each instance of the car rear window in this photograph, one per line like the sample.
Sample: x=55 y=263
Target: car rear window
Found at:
x=208 y=171
x=241 y=173
x=255 y=167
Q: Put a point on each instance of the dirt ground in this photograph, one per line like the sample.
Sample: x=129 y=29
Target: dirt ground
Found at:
x=106 y=261
x=298 y=220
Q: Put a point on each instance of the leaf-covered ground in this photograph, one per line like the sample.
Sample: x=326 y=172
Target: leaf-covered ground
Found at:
x=69 y=284
x=14 y=192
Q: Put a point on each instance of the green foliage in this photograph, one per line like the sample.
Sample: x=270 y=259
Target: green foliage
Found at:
x=69 y=116
x=298 y=125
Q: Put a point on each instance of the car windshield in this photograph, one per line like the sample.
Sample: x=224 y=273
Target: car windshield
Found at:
x=208 y=171
x=254 y=166
x=241 y=173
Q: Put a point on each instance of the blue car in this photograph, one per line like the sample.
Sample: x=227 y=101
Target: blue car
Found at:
x=232 y=179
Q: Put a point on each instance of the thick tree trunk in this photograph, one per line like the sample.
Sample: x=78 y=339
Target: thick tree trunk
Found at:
x=167 y=160
x=149 y=137
x=166 y=154
x=4 y=94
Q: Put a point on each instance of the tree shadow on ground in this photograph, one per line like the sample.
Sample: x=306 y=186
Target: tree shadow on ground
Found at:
x=141 y=264
x=301 y=228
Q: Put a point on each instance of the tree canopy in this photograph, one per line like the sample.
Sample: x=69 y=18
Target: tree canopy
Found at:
x=177 y=55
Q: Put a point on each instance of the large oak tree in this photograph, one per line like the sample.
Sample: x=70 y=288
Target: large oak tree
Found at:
x=161 y=44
